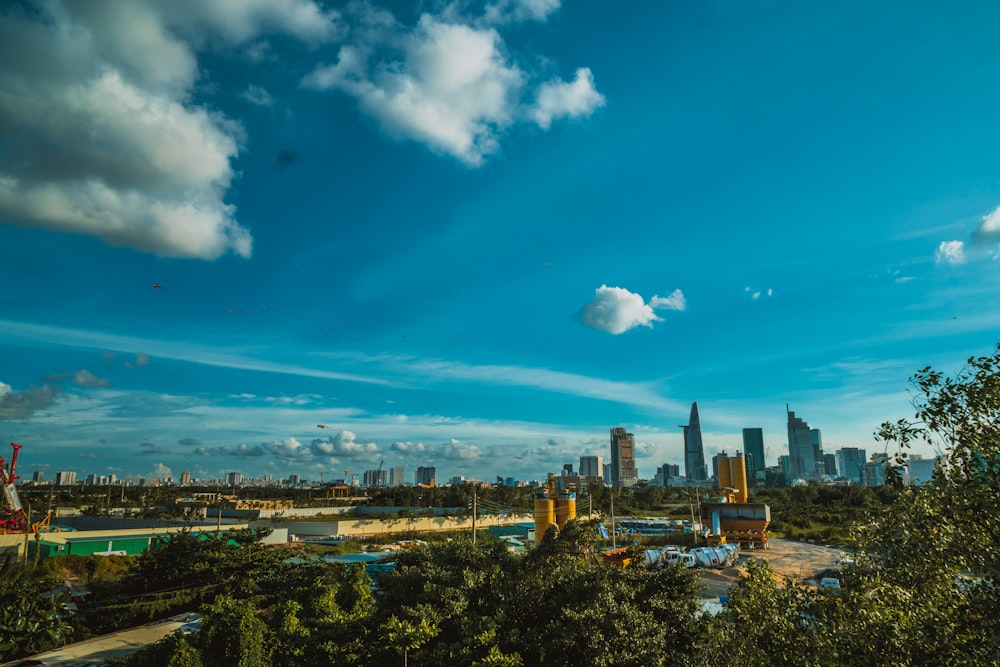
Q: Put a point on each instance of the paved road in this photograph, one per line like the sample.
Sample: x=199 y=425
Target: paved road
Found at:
x=99 y=649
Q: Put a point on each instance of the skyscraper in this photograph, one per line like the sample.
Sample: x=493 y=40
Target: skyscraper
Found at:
x=753 y=451
x=592 y=466
x=694 y=450
x=851 y=464
x=623 y=472
x=397 y=476
x=425 y=475
x=801 y=451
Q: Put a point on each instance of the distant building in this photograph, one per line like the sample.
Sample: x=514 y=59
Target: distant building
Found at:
x=694 y=450
x=920 y=470
x=816 y=436
x=185 y=478
x=753 y=451
x=606 y=474
x=375 y=477
x=623 y=472
x=801 y=451
x=667 y=474
x=294 y=480
x=567 y=470
x=65 y=478
x=591 y=466
x=38 y=477
x=851 y=464
x=721 y=456
x=397 y=476
x=234 y=478
x=875 y=470
x=425 y=475
x=830 y=465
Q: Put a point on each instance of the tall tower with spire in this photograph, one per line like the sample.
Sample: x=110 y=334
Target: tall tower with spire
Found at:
x=694 y=450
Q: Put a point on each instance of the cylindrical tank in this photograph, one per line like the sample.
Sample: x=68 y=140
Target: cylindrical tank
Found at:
x=544 y=516
x=716 y=523
x=725 y=474
x=565 y=508
x=739 y=473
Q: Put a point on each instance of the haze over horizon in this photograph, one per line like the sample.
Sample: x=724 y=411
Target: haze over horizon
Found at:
x=480 y=235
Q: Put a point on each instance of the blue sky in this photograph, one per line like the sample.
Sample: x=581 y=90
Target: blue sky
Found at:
x=479 y=235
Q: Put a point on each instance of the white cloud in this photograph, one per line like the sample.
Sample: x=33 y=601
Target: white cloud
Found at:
x=447 y=82
x=616 y=310
x=100 y=134
x=950 y=252
x=675 y=301
x=452 y=89
x=509 y=11
x=160 y=471
x=344 y=444
x=756 y=293
x=258 y=96
x=84 y=378
x=989 y=228
x=458 y=450
x=561 y=99
x=409 y=447
x=289 y=449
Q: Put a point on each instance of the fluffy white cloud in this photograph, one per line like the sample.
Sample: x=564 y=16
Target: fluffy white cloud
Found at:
x=23 y=404
x=409 y=447
x=100 y=134
x=258 y=96
x=950 y=252
x=452 y=89
x=989 y=228
x=562 y=99
x=447 y=81
x=675 y=301
x=458 y=450
x=508 y=11
x=344 y=444
x=84 y=378
x=616 y=310
x=289 y=449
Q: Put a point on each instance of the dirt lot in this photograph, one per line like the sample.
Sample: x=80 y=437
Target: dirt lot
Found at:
x=799 y=560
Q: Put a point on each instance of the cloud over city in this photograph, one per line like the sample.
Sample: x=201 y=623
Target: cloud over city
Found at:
x=617 y=310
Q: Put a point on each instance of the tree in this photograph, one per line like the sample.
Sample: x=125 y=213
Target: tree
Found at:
x=922 y=591
x=29 y=621
x=233 y=635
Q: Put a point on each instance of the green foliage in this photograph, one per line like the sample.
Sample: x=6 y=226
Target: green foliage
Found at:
x=172 y=651
x=29 y=622
x=233 y=635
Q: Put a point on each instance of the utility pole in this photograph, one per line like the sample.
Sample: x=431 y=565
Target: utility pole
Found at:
x=614 y=544
x=474 y=512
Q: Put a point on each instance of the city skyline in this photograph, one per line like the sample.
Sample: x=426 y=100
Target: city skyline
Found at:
x=306 y=236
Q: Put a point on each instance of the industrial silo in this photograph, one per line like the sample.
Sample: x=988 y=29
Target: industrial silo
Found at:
x=565 y=508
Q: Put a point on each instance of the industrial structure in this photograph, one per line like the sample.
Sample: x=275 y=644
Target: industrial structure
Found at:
x=13 y=518
x=734 y=520
x=552 y=508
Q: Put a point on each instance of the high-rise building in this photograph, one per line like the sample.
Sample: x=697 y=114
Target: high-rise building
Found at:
x=234 y=478
x=851 y=464
x=817 y=442
x=567 y=470
x=667 y=474
x=830 y=465
x=375 y=477
x=425 y=475
x=623 y=472
x=397 y=476
x=65 y=478
x=592 y=466
x=294 y=480
x=801 y=452
x=606 y=474
x=38 y=477
x=753 y=452
x=694 y=450
x=185 y=478
x=920 y=470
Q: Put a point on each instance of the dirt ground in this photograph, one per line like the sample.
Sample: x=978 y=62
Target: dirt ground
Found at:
x=799 y=560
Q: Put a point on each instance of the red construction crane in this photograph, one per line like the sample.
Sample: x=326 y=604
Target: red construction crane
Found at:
x=13 y=518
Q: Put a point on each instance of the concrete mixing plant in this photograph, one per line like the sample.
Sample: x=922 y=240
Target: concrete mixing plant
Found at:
x=734 y=520
x=552 y=508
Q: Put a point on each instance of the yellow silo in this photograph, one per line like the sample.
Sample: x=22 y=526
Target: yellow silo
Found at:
x=565 y=508
x=739 y=478
x=725 y=474
x=545 y=515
